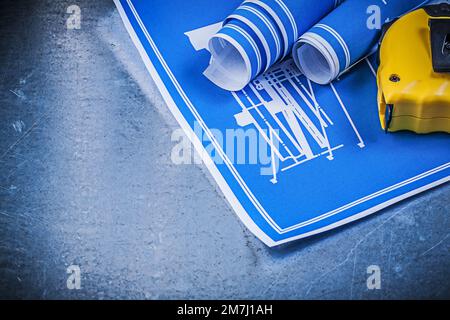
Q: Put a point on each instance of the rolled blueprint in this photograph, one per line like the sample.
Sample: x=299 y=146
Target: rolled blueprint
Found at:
x=257 y=35
x=345 y=36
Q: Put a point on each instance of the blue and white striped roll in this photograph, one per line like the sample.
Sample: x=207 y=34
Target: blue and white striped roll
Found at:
x=345 y=36
x=257 y=35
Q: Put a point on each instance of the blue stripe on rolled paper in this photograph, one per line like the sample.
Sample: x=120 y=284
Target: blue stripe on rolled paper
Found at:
x=346 y=31
x=254 y=40
x=246 y=40
x=340 y=40
x=290 y=17
x=270 y=28
x=270 y=23
x=267 y=22
x=336 y=41
x=264 y=36
x=281 y=13
x=282 y=21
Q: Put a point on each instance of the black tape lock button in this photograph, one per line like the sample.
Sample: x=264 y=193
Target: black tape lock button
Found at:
x=440 y=44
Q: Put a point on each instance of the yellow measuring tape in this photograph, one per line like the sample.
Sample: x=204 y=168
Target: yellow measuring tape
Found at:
x=414 y=73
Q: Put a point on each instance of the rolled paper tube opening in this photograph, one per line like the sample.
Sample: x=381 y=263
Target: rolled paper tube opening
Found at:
x=229 y=67
x=316 y=59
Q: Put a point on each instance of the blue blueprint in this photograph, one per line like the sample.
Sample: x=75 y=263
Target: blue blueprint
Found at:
x=293 y=158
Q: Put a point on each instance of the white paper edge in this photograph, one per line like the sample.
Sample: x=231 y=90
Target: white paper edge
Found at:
x=214 y=65
x=228 y=193
x=327 y=51
x=224 y=187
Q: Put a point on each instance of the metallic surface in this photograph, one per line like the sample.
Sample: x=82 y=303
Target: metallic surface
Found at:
x=86 y=179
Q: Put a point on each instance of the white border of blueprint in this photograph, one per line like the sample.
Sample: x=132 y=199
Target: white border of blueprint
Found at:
x=229 y=194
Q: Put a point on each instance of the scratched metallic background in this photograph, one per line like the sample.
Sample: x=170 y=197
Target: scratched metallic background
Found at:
x=86 y=179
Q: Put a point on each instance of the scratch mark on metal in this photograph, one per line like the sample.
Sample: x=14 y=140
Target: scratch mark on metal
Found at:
x=436 y=245
x=353 y=275
x=33 y=126
x=18 y=126
x=18 y=93
x=353 y=250
x=5 y=214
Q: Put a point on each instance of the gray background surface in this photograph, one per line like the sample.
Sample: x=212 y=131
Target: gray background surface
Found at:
x=86 y=178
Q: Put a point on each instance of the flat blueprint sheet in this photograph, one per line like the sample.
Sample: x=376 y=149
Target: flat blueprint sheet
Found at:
x=315 y=156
